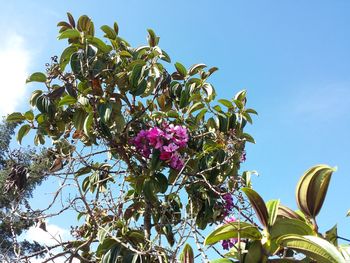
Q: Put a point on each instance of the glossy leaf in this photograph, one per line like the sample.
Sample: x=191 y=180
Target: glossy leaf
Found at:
x=15 y=117
x=67 y=100
x=258 y=205
x=66 y=55
x=181 y=69
x=314 y=247
x=284 y=226
x=286 y=212
x=36 y=77
x=110 y=33
x=233 y=230
x=69 y=33
x=23 y=131
x=187 y=255
x=312 y=189
x=332 y=235
x=272 y=209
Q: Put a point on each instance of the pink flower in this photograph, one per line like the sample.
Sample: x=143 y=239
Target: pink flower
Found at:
x=168 y=139
x=176 y=162
x=164 y=156
x=171 y=147
x=155 y=137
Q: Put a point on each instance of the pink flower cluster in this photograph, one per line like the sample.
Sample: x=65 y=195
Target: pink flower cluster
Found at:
x=227 y=244
x=167 y=139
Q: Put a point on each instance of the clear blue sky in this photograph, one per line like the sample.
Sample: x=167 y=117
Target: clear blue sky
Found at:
x=293 y=57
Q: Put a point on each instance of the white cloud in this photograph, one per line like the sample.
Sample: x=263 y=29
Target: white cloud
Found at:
x=52 y=236
x=14 y=63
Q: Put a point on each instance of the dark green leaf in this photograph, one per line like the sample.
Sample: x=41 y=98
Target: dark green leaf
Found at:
x=66 y=55
x=181 y=69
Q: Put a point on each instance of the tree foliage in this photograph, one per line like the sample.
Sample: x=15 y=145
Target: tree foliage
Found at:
x=153 y=158
x=14 y=207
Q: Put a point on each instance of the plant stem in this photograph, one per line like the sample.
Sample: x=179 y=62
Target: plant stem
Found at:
x=147 y=220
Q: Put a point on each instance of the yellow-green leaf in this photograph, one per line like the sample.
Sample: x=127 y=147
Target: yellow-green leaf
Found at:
x=23 y=131
x=233 y=230
x=314 y=247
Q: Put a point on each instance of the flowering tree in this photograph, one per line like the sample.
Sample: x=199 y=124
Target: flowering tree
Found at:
x=146 y=158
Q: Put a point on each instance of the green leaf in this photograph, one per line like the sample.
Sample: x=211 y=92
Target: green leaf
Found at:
x=209 y=90
x=82 y=171
x=75 y=64
x=34 y=97
x=67 y=100
x=258 y=205
x=248 y=138
x=286 y=226
x=29 y=115
x=255 y=252
x=332 y=235
x=36 y=77
x=69 y=33
x=153 y=40
x=15 y=117
x=102 y=46
x=187 y=255
x=88 y=124
x=23 y=131
x=226 y=103
x=164 y=56
x=286 y=212
x=135 y=76
x=314 y=247
x=39 y=139
x=233 y=230
x=148 y=191
x=194 y=69
x=312 y=189
x=272 y=209
x=181 y=69
x=65 y=56
x=110 y=33
x=161 y=182
x=251 y=111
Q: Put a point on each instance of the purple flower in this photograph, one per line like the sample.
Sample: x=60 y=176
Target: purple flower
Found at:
x=141 y=142
x=176 y=162
x=243 y=157
x=155 y=137
x=167 y=138
x=228 y=205
x=165 y=156
x=171 y=147
x=227 y=244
